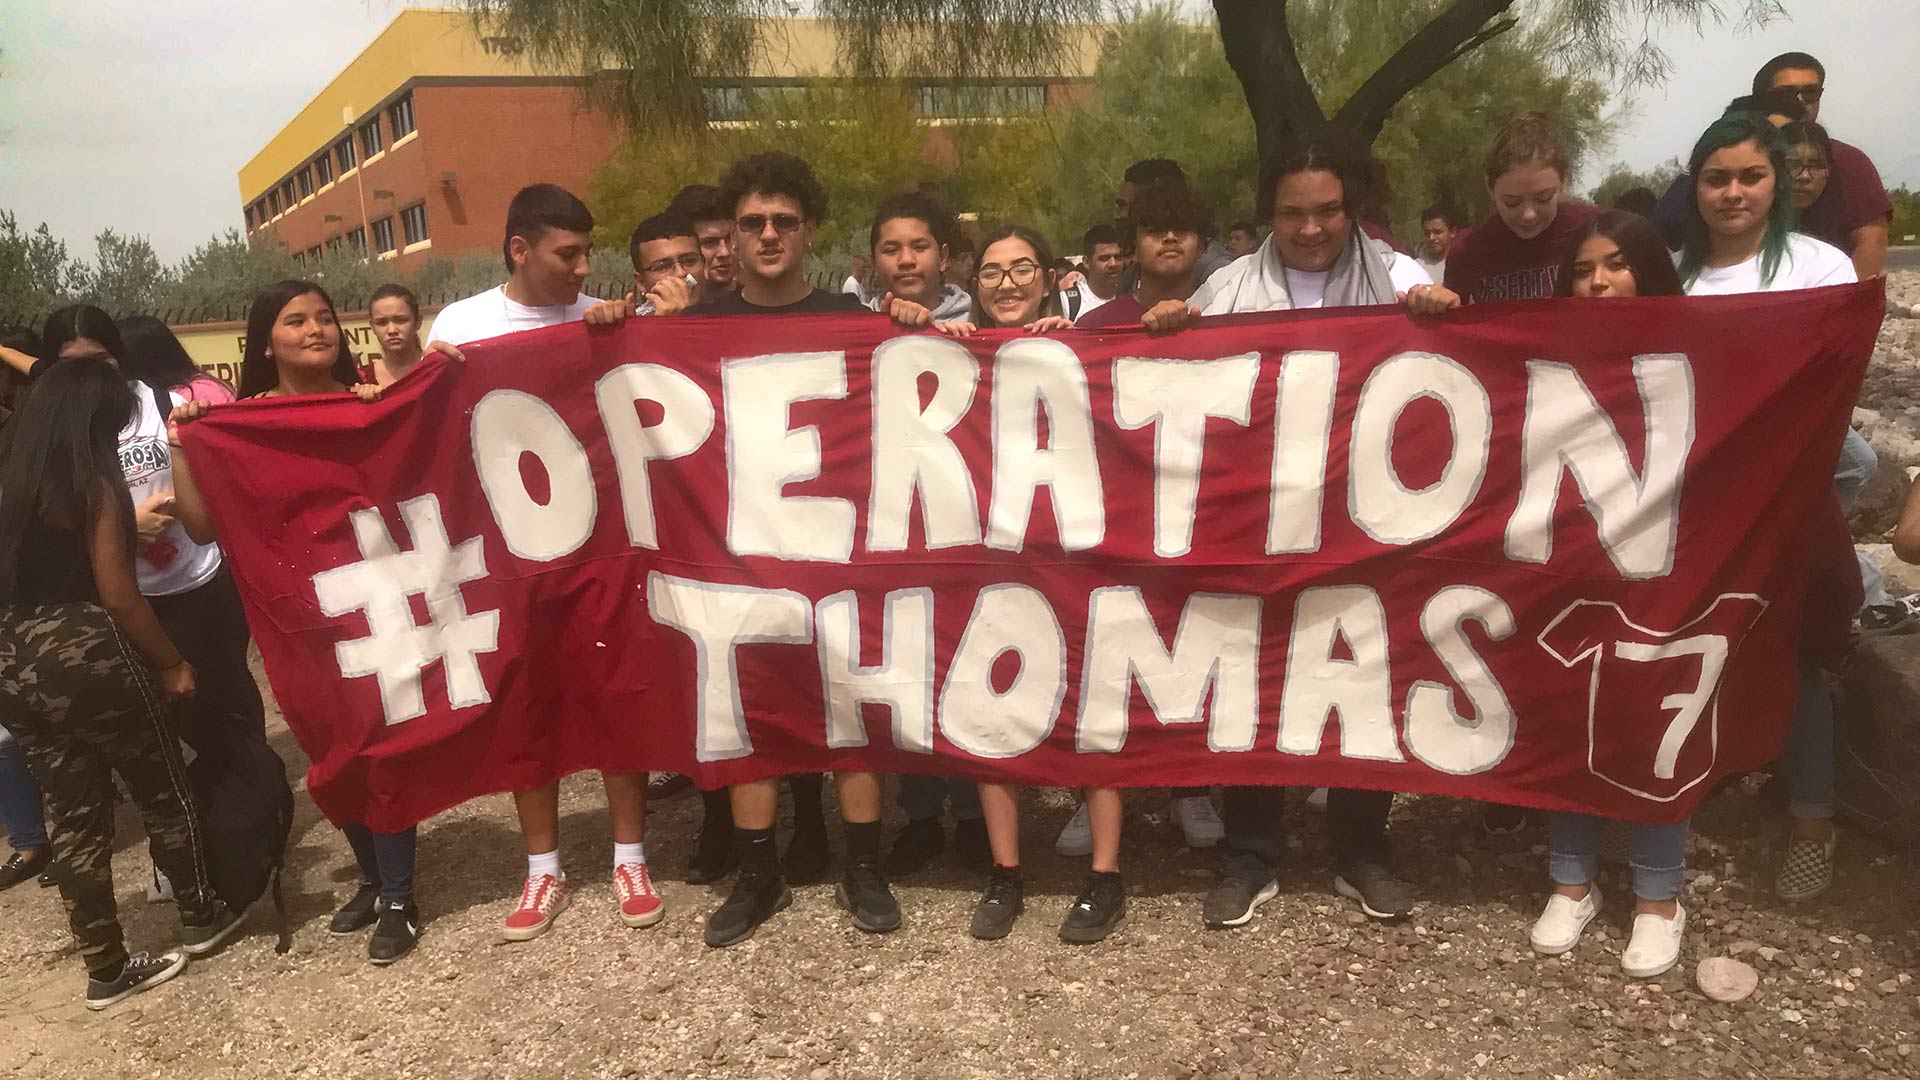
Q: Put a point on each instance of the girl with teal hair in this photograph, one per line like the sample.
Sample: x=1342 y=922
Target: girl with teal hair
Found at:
x=1739 y=235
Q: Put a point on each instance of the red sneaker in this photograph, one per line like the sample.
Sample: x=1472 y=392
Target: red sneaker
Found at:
x=639 y=904
x=541 y=902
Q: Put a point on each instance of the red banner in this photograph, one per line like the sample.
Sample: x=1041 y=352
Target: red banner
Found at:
x=1547 y=553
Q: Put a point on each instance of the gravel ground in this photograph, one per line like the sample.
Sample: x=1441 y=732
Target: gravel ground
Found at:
x=1309 y=989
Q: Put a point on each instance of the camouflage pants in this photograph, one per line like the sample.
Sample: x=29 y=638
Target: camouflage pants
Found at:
x=81 y=704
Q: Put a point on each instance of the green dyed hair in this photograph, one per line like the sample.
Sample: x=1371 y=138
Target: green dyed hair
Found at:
x=1731 y=130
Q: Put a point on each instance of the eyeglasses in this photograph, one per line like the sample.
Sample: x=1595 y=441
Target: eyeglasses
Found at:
x=755 y=224
x=1020 y=273
x=1807 y=168
x=689 y=262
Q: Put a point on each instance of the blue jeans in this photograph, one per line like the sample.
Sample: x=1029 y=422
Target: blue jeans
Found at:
x=1659 y=854
x=386 y=860
x=20 y=808
x=923 y=797
x=1809 y=759
x=1855 y=470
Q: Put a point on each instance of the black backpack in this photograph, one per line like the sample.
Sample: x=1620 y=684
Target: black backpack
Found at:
x=246 y=816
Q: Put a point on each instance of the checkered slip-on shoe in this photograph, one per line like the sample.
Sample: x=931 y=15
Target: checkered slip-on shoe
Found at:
x=1807 y=870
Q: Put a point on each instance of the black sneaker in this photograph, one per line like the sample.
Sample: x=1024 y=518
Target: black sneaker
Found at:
x=863 y=892
x=970 y=845
x=1099 y=910
x=358 y=913
x=916 y=847
x=1001 y=903
x=141 y=972
x=1380 y=894
x=714 y=856
x=807 y=855
x=666 y=785
x=203 y=938
x=25 y=865
x=396 y=934
x=758 y=894
x=1233 y=900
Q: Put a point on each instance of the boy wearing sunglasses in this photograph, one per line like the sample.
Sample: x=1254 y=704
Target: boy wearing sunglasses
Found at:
x=777 y=204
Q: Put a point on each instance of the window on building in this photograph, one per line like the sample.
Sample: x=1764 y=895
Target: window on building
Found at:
x=334 y=244
x=383 y=234
x=248 y=214
x=946 y=101
x=357 y=238
x=323 y=167
x=273 y=204
x=726 y=102
x=313 y=252
x=304 y=178
x=400 y=118
x=370 y=137
x=413 y=223
x=343 y=156
x=287 y=195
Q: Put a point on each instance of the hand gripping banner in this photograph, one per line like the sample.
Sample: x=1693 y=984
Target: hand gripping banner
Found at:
x=1550 y=553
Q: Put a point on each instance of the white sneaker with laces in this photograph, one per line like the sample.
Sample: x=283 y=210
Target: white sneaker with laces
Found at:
x=1559 y=927
x=1655 y=945
x=1077 y=838
x=1199 y=824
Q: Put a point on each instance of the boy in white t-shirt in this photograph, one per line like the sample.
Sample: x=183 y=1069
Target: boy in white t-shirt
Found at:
x=547 y=247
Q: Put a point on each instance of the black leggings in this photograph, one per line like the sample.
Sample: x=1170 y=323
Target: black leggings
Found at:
x=210 y=628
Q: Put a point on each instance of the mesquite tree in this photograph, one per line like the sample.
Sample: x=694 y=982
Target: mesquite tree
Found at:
x=647 y=54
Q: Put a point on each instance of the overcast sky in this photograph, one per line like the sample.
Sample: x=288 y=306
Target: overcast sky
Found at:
x=137 y=114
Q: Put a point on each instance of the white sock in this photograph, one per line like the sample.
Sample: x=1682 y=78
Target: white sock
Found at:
x=626 y=853
x=548 y=863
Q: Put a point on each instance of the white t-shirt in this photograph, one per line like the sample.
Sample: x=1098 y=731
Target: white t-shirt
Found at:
x=1079 y=300
x=853 y=287
x=172 y=564
x=491 y=314
x=1806 y=264
x=1309 y=287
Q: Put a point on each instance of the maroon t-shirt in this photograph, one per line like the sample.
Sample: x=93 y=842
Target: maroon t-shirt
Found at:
x=1122 y=310
x=1489 y=263
x=1855 y=196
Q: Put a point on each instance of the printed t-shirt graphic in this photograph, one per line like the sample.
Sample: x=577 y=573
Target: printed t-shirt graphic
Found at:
x=1655 y=693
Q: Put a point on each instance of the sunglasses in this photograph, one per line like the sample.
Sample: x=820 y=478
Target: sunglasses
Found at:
x=755 y=224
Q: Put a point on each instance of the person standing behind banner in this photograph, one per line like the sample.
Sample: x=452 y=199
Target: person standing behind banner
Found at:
x=667 y=269
x=776 y=205
x=1740 y=239
x=84 y=663
x=1620 y=255
x=394 y=314
x=713 y=228
x=293 y=347
x=1856 y=214
x=155 y=356
x=1317 y=256
x=1515 y=254
x=546 y=249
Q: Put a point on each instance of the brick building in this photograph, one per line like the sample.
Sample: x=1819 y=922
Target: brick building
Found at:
x=416 y=147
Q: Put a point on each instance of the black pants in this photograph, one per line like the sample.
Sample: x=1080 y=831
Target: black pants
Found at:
x=1255 y=841
x=80 y=702
x=209 y=627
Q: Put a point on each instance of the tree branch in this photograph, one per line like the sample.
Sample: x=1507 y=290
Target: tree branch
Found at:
x=1462 y=27
x=1259 y=48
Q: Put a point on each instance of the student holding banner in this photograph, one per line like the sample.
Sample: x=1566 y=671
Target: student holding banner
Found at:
x=1515 y=254
x=776 y=204
x=548 y=242
x=1740 y=239
x=1619 y=255
x=1316 y=257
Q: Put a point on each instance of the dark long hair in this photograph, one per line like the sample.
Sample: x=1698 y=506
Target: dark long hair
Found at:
x=154 y=356
x=59 y=459
x=77 y=321
x=1731 y=130
x=1042 y=253
x=1640 y=244
x=258 y=373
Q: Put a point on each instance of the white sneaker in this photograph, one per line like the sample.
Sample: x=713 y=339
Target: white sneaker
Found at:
x=1077 y=838
x=1655 y=945
x=1198 y=821
x=1317 y=799
x=1558 y=928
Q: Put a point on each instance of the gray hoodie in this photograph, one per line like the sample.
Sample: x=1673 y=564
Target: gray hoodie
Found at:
x=955 y=304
